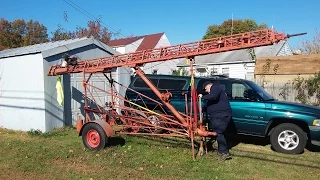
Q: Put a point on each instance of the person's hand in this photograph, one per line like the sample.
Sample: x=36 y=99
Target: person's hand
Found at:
x=200 y=95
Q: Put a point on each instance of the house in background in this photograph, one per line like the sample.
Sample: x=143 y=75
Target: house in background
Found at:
x=284 y=69
x=139 y=43
x=235 y=64
x=28 y=95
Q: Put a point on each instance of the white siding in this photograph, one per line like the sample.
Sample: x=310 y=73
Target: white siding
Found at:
x=285 y=50
x=22 y=105
x=165 y=67
x=120 y=49
x=133 y=46
x=240 y=70
x=250 y=71
x=163 y=42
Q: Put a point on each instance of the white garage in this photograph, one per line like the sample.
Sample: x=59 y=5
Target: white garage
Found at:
x=28 y=96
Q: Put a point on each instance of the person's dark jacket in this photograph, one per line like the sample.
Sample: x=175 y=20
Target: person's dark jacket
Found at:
x=217 y=100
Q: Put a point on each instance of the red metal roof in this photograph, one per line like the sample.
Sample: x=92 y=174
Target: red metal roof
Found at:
x=149 y=41
x=124 y=41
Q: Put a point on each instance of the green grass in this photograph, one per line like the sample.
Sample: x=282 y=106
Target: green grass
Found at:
x=61 y=155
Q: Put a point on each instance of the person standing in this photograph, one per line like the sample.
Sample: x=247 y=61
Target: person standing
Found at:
x=219 y=112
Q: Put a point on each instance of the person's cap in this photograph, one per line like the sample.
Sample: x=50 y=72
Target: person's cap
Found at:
x=205 y=84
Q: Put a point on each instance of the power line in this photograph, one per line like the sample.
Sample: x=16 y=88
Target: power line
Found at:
x=92 y=17
x=86 y=13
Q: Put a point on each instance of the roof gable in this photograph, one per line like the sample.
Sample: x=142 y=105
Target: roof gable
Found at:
x=149 y=41
x=55 y=47
x=124 y=41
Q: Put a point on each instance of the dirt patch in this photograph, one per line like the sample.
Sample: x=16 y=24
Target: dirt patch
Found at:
x=7 y=174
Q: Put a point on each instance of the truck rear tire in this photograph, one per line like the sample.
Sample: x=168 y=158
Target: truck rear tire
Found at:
x=288 y=138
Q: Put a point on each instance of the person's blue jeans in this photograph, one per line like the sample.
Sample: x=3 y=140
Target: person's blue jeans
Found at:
x=218 y=123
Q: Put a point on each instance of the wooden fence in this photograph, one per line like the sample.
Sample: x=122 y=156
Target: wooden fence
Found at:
x=284 y=92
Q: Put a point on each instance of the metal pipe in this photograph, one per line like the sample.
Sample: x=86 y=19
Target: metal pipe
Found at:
x=200 y=111
x=193 y=92
x=84 y=84
x=157 y=92
x=298 y=34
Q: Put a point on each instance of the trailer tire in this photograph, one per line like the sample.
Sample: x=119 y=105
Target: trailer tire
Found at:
x=94 y=137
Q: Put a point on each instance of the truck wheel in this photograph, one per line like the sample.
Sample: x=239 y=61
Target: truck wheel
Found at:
x=288 y=138
x=155 y=121
x=94 y=137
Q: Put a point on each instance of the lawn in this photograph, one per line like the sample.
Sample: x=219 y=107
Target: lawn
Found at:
x=61 y=155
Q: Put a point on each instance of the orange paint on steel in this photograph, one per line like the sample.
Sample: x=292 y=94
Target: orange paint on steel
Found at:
x=93 y=138
x=79 y=125
x=209 y=46
x=158 y=93
x=193 y=93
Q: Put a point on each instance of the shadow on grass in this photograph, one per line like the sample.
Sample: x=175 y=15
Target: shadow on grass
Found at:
x=115 y=141
x=280 y=161
x=165 y=141
x=233 y=140
x=313 y=148
x=278 y=155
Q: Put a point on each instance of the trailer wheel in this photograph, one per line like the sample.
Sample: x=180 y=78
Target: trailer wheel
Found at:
x=94 y=137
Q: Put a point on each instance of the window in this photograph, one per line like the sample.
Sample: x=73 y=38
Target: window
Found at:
x=238 y=90
x=171 y=84
x=214 y=71
x=202 y=83
x=139 y=83
x=225 y=71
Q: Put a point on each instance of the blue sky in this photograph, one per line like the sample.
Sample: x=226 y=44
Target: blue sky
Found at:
x=182 y=20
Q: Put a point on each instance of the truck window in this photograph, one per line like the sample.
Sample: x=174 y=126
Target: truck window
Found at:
x=238 y=90
x=172 y=84
x=200 y=86
x=139 y=83
x=225 y=84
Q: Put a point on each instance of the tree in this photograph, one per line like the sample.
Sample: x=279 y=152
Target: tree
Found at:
x=62 y=34
x=93 y=28
x=311 y=46
x=10 y=37
x=35 y=33
x=226 y=28
x=19 y=33
x=181 y=71
x=308 y=88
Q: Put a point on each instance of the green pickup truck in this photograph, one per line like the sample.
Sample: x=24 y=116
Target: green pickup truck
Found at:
x=290 y=126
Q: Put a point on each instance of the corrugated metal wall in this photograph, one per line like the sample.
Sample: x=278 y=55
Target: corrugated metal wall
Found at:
x=73 y=89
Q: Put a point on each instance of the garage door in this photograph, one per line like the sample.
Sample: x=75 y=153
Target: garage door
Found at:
x=77 y=93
